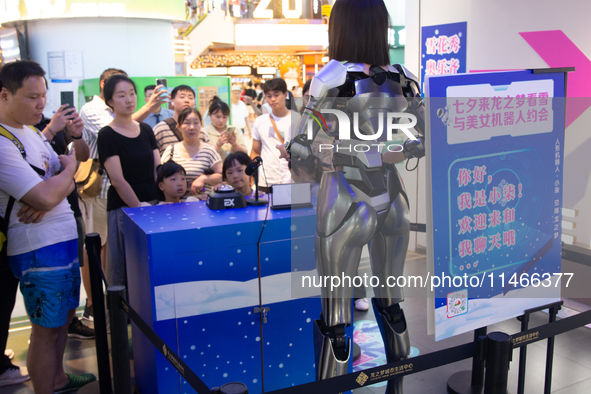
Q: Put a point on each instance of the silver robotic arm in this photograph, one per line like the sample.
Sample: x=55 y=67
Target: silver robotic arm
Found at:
x=414 y=148
x=331 y=76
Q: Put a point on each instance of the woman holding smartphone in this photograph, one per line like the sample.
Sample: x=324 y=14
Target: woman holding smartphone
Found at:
x=128 y=151
x=225 y=139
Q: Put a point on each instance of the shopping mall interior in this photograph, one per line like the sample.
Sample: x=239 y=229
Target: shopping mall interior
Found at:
x=218 y=47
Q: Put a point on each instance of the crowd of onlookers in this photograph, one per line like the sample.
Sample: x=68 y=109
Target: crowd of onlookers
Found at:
x=135 y=157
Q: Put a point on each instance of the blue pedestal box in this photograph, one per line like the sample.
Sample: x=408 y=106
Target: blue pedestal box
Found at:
x=195 y=276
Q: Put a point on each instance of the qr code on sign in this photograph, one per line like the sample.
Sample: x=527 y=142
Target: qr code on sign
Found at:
x=457 y=303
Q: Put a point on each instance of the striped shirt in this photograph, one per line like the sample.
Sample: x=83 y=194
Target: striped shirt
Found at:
x=166 y=137
x=96 y=115
x=195 y=166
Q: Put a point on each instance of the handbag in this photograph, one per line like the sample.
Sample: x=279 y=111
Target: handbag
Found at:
x=89 y=178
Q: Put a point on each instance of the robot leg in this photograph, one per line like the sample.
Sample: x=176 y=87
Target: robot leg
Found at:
x=387 y=253
x=395 y=335
x=343 y=227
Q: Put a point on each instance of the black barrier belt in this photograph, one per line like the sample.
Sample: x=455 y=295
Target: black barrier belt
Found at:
x=163 y=348
x=98 y=258
x=385 y=372
x=419 y=227
x=571 y=253
x=375 y=375
x=550 y=329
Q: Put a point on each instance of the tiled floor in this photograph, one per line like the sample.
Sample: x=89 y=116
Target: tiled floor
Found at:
x=572 y=355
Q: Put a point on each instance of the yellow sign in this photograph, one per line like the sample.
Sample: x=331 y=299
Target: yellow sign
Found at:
x=326 y=9
x=15 y=10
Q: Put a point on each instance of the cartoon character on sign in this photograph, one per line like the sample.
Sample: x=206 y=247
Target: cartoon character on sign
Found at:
x=289 y=72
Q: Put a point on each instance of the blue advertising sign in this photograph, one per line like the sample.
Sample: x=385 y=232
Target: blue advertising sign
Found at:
x=495 y=148
x=443 y=49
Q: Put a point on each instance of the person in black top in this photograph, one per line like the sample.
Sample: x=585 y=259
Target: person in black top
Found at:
x=128 y=151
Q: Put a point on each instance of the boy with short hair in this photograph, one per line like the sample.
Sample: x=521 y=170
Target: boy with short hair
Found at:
x=166 y=132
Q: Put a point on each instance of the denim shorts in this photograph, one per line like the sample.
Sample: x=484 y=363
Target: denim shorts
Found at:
x=49 y=282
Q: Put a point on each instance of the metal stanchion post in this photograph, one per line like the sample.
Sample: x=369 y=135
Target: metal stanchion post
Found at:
x=553 y=311
x=498 y=357
x=470 y=382
x=103 y=385
x=119 y=340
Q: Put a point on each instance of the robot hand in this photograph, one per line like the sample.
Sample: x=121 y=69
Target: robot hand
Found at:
x=414 y=148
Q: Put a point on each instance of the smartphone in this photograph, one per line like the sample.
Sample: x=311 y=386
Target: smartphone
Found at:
x=230 y=130
x=69 y=148
x=67 y=98
x=162 y=81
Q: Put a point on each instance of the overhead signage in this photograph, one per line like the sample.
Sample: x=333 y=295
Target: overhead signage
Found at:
x=443 y=49
x=15 y=10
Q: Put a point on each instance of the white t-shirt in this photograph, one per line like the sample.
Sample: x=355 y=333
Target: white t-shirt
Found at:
x=239 y=113
x=266 y=108
x=275 y=169
x=16 y=179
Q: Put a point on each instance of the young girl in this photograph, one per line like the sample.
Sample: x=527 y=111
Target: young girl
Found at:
x=171 y=181
x=128 y=151
x=234 y=175
x=223 y=140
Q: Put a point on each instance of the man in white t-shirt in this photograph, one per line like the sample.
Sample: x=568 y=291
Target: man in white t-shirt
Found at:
x=43 y=254
x=239 y=110
x=270 y=130
x=240 y=116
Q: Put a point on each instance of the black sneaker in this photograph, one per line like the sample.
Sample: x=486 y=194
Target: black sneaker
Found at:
x=78 y=330
x=88 y=313
x=14 y=375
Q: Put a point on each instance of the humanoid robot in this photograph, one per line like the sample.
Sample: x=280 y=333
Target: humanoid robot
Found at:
x=361 y=202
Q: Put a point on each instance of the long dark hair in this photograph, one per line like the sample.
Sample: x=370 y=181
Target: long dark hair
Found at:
x=111 y=84
x=217 y=104
x=358 y=32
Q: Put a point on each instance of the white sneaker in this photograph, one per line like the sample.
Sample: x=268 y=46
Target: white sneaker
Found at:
x=9 y=353
x=14 y=375
x=361 y=304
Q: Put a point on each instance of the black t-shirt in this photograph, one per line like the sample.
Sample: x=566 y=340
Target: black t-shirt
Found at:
x=59 y=143
x=137 y=162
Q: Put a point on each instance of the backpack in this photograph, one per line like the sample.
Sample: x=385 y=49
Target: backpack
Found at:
x=4 y=220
